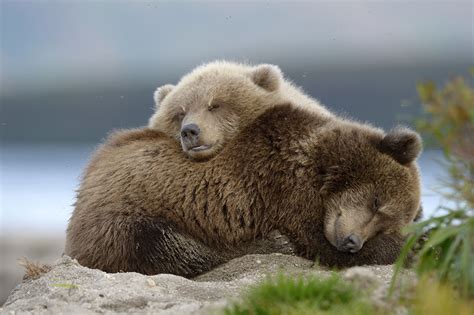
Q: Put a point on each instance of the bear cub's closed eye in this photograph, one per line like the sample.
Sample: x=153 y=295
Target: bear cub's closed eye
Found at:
x=213 y=107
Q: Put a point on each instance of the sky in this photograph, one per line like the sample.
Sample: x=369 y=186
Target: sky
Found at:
x=46 y=44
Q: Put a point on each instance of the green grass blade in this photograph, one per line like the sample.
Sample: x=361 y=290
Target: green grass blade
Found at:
x=409 y=244
x=438 y=237
x=448 y=259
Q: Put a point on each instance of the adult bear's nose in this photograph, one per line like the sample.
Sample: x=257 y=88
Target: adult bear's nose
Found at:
x=351 y=244
x=190 y=133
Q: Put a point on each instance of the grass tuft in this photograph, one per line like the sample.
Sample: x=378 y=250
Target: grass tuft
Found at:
x=448 y=254
x=288 y=295
x=436 y=298
x=33 y=270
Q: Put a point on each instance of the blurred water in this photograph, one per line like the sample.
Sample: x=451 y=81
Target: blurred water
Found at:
x=38 y=185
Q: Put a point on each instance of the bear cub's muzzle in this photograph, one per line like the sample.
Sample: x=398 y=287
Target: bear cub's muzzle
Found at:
x=190 y=138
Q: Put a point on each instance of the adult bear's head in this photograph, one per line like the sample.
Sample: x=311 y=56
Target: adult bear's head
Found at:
x=373 y=189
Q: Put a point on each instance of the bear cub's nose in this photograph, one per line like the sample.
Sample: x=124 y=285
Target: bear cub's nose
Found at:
x=190 y=135
x=351 y=244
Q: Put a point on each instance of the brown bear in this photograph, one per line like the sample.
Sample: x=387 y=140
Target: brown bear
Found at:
x=208 y=106
x=340 y=191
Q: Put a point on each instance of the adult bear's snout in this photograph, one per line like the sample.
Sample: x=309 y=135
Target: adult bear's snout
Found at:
x=351 y=244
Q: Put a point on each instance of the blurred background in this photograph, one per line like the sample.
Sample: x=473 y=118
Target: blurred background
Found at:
x=71 y=71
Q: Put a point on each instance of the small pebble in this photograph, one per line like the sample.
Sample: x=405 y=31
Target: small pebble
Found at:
x=259 y=261
x=151 y=282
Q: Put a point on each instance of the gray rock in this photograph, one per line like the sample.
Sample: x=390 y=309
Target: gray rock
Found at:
x=17 y=245
x=71 y=289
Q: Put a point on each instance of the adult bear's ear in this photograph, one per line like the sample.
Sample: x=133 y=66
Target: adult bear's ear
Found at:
x=403 y=144
x=267 y=77
x=161 y=93
x=419 y=214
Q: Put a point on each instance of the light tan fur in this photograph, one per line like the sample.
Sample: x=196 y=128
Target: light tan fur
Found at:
x=221 y=98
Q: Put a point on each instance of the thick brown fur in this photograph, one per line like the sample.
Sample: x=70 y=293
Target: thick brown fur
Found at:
x=143 y=206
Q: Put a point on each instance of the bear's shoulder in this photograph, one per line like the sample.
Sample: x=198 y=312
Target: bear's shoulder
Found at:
x=289 y=116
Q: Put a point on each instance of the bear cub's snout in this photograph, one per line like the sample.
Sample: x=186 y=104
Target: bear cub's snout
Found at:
x=190 y=136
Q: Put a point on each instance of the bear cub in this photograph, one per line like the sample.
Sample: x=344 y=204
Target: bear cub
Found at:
x=210 y=105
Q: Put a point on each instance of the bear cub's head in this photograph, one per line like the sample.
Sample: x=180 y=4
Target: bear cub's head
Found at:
x=210 y=105
x=374 y=189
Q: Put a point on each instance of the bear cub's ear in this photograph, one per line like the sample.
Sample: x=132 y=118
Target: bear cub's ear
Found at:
x=403 y=144
x=161 y=93
x=267 y=77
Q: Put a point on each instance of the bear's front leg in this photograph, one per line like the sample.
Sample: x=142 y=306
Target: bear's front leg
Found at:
x=274 y=242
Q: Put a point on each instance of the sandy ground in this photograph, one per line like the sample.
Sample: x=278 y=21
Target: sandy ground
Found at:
x=36 y=247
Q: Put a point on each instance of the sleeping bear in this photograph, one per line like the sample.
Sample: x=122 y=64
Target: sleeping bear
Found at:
x=211 y=104
x=341 y=191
